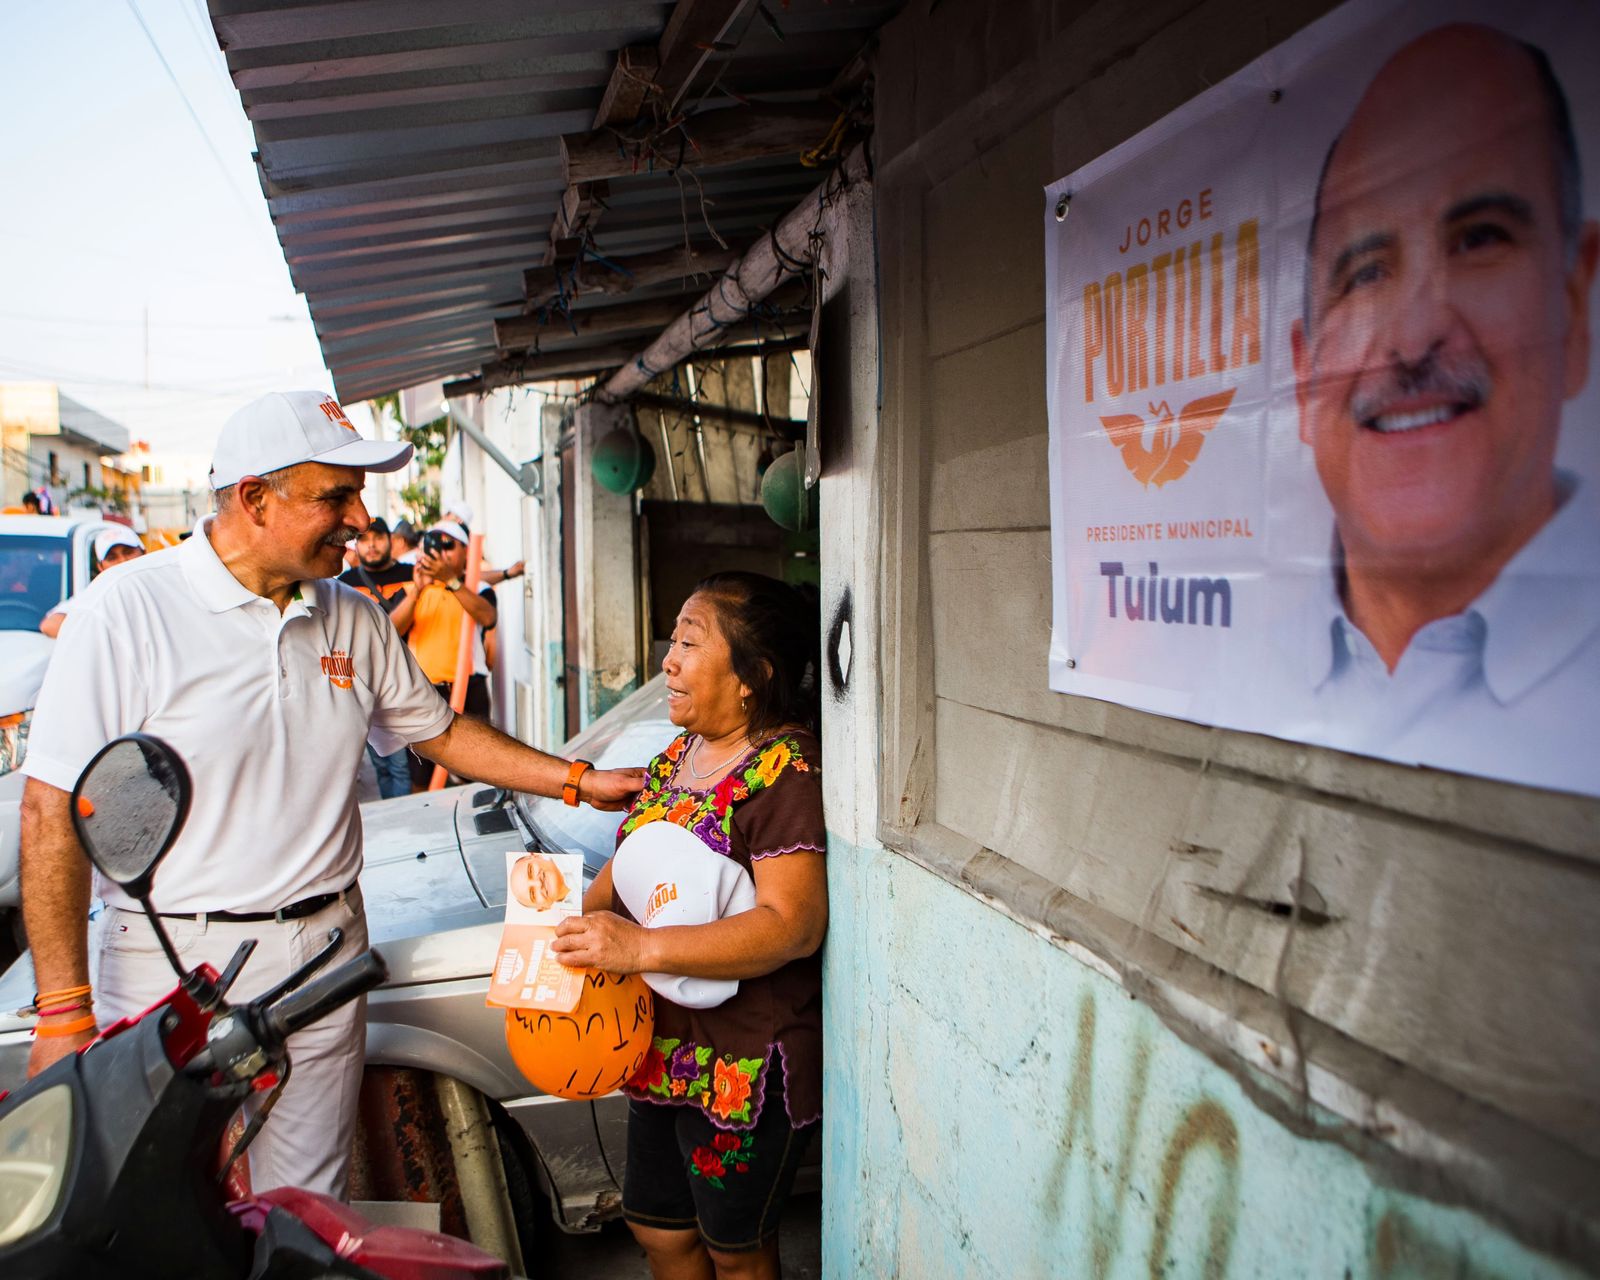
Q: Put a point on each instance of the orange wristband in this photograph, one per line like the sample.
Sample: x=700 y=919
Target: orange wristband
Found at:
x=66 y=1028
x=569 y=789
x=66 y=993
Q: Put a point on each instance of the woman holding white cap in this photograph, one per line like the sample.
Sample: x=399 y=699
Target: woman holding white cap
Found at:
x=730 y=1095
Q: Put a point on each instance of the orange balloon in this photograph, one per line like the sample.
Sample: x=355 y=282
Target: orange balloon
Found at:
x=595 y=1049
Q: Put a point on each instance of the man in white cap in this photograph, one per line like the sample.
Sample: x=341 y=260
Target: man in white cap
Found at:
x=269 y=680
x=112 y=546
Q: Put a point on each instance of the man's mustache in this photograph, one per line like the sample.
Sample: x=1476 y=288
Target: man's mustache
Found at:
x=1461 y=379
x=341 y=537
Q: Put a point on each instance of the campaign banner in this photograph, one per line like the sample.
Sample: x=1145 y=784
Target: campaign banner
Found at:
x=1324 y=397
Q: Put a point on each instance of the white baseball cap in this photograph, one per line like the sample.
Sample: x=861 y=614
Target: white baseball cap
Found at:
x=285 y=428
x=460 y=509
x=452 y=529
x=665 y=875
x=116 y=536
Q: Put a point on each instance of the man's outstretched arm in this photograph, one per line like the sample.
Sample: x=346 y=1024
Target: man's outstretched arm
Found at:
x=472 y=749
x=55 y=910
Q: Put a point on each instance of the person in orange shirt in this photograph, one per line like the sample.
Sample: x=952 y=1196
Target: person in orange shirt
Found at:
x=437 y=600
x=376 y=575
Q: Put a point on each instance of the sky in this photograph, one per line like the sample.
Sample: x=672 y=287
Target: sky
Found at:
x=140 y=271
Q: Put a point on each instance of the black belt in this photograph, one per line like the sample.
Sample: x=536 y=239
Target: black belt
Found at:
x=294 y=911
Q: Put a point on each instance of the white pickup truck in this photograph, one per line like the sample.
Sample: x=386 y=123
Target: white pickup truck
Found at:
x=43 y=560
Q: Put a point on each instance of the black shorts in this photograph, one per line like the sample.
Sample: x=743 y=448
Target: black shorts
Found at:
x=684 y=1173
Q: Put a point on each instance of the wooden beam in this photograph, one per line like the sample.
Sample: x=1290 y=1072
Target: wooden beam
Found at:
x=697 y=32
x=632 y=81
x=519 y=333
x=758 y=275
x=788 y=428
x=550 y=365
x=541 y=285
x=578 y=205
x=544 y=367
x=714 y=138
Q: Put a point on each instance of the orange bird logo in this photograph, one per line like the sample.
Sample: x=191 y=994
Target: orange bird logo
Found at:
x=1170 y=451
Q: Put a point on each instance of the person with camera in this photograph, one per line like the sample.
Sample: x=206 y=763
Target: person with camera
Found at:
x=436 y=601
x=376 y=574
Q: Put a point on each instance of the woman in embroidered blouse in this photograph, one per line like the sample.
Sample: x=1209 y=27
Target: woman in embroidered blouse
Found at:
x=729 y=1096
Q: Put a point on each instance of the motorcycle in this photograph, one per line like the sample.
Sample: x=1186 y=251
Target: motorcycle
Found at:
x=109 y=1158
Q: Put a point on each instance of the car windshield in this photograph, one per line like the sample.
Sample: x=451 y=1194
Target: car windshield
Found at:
x=633 y=731
x=33 y=579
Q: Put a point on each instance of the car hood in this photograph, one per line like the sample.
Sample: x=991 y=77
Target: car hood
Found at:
x=23 y=657
x=418 y=895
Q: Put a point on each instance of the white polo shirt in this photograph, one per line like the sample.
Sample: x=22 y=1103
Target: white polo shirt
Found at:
x=270 y=712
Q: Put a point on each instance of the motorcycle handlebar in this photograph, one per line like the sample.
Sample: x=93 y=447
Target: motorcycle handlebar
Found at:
x=317 y=999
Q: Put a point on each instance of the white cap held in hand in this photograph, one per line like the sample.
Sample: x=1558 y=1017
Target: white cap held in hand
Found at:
x=665 y=875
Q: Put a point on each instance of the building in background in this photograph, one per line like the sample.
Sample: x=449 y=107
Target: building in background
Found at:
x=66 y=449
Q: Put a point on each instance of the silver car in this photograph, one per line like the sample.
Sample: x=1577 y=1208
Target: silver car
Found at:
x=434 y=883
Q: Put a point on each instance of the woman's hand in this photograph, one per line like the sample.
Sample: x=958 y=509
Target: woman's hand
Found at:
x=610 y=788
x=601 y=940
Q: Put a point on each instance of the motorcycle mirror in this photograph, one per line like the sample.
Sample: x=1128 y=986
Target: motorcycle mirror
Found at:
x=128 y=807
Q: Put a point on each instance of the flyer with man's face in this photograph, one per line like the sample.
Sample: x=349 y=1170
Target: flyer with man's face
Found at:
x=1324 y=416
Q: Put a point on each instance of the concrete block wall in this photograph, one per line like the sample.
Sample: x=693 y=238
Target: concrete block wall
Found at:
x=996 y=1106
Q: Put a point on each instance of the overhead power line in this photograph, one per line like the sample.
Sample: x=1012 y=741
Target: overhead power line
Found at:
x=189 y=107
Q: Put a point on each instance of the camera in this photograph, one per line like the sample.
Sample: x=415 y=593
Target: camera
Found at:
x=436 y=543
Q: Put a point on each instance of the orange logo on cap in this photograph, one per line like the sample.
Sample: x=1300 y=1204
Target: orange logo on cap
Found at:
x=339 y=669
x=334 y=413
x=1169 y=454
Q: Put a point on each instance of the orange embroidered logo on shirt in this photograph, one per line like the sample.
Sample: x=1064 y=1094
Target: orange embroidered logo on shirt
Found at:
x=334 y=413
x=339 y=669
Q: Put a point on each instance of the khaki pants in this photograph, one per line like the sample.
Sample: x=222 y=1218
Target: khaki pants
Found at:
x=306 y=1140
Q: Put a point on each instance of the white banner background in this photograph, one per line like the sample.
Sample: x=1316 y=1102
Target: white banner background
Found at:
x=1236 y=500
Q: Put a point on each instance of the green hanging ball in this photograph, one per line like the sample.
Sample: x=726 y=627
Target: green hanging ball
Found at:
x=785 y=497
x=623 y=461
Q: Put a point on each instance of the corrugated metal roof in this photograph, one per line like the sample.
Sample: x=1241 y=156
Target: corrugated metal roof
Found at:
x=408 y=151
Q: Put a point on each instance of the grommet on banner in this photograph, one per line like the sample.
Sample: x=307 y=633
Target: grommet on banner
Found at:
x=1071 y=663
x=1062 y=205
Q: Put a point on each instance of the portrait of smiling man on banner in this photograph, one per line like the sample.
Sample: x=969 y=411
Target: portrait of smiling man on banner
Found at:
x=1446 y=324
x=1325 y=409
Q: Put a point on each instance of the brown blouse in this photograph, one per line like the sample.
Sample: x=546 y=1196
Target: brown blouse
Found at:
x=720 y=1059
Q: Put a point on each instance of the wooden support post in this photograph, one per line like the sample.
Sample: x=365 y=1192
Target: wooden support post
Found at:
x=705 y=141
x=632 y=81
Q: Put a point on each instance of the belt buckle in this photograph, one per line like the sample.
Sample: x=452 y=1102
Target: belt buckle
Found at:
x=279 y=916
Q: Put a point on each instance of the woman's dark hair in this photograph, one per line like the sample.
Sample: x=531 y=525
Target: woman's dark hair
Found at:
x=773 y=632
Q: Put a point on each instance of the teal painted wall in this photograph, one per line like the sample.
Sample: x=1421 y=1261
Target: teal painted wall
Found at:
x=996 y=1108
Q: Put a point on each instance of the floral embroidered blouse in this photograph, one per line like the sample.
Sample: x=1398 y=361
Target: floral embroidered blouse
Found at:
x=721 y=1059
